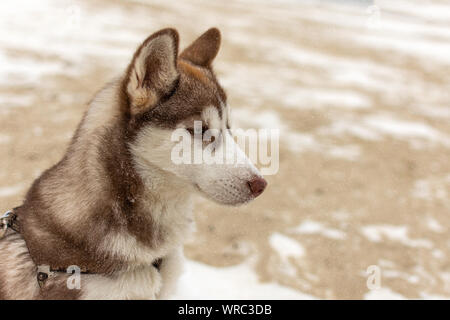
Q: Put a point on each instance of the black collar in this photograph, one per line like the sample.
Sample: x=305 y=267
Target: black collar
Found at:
x=10 y=220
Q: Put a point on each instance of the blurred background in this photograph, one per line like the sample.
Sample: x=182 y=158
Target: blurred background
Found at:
x=360 y=91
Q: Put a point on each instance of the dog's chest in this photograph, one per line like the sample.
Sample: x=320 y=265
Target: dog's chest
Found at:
x=150 y=268
x=171 y=216
x=171 y=224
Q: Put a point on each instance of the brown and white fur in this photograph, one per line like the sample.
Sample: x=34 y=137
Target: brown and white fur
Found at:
x=116 y=202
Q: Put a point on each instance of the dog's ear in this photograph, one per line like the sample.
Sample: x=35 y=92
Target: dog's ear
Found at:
x=153 y=71
x=203 y=50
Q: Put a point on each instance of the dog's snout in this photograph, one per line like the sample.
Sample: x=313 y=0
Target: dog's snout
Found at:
x=257 y=185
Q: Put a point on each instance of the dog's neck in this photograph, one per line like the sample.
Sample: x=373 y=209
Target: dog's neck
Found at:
x=99 y=207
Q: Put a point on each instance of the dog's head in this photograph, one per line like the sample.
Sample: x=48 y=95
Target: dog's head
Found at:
x=167 y=92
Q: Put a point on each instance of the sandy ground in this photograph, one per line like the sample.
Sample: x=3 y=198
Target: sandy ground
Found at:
x=360 y=95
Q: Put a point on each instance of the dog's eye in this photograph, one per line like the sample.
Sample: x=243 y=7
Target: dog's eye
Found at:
x=204 y=129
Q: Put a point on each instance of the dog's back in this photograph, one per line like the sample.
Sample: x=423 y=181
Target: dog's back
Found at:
x=17 y=270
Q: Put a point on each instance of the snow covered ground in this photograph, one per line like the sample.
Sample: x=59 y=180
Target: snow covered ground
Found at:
x=360 y=93
x=239 y=282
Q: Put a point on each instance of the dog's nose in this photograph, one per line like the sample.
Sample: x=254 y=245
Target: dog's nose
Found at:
x=257 y=185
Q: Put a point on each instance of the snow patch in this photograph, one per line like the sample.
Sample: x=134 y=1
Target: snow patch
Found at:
x=4 y=138
x=11 y=190
x=200 y=281
x=377 y=233
x=285 y=246
x=434 y=225
x=313 y=227
x=383 y=294
x=405 y=129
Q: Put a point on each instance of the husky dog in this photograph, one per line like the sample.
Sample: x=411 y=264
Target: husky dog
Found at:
x=116 y=206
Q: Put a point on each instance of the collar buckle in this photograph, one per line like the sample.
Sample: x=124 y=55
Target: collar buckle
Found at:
x=5 y=222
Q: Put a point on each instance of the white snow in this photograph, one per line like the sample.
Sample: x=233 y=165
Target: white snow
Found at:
x=11 y=190
x=374 y=127
x=377 y=233
x=314 y=227
x=427 y=296
x=200 y=281
x=320 y=98
x=9 y=100
x=244 y=118
x=431 y=189
x=347 y=152
x=401 y=128
x=434 y=225
x=4 y=138
x=286 y=246
x=400 y=275
x=383 y=294
x=299 y=142
x=352 y=128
